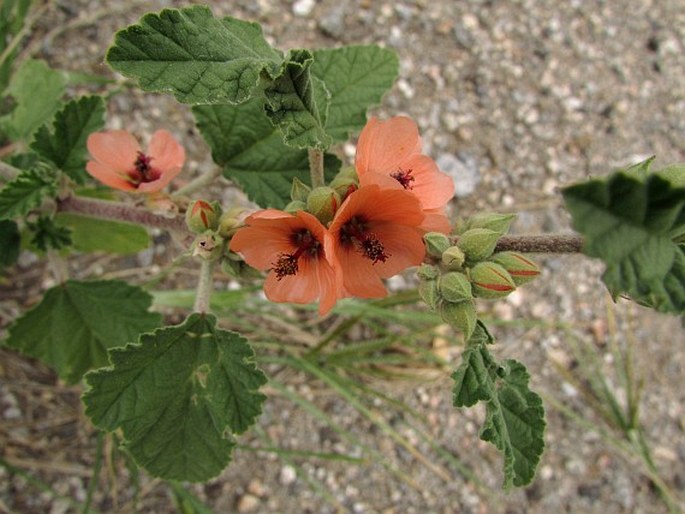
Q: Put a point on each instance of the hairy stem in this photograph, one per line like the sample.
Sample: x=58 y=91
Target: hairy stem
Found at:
x=543 y=243
x=204 y=286
x=199 y=183
x=316 y=166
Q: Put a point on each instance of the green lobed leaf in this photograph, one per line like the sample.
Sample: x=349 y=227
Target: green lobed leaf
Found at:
x=178 y=395
x=356 y=77
x=65 y=143
x=76 y=322
x=26 y=192
x=515 y=417
x=10 y=240
x=93 y=235
x=197 y=57
x=36 y=90
x=631 y=224
x=252 y=152
x=47 y=235
x=291 y=104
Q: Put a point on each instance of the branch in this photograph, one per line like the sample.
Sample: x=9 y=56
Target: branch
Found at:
x=543 y=243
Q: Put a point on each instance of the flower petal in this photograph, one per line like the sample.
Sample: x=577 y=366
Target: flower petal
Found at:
x=432 y=187
x=261 y=244
x=167 y=154
x=358 y=274
x=109 y=176
x=404 y=246
x=117 y=149
x=384 y=145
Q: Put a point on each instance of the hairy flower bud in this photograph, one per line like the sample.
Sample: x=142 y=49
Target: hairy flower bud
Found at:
x=230 y=221
x=455 y=287
x=428 y=272
x=299 y=190
x=208 y=246
x=202 y=215
x=521 y=269
x=461 y=316
x=295 y=205
x=234 y=266
x=430 y=293
x=345 y=182
x=496 y=222
x=490 y=280
x=453 y=258
x=322 y=202
x=436 y=243
x=478 y=243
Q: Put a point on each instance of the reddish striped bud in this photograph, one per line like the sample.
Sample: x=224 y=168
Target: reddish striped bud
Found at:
x=202 y=215
x=521 y=269
x=490 y=280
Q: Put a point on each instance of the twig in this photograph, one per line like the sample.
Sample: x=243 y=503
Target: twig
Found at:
x=205 y=285
x=543 y=243
x=198 y=183
x=316 y=166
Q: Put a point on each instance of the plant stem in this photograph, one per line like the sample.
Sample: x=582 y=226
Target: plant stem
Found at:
x=200 y=182
x=204 y=286
x=58 y=265
x=92 y=486
x=543 y=243
x=316 y=166
x=8 y=172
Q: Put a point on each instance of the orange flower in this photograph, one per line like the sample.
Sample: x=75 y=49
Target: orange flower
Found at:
x=292 y=248
x=119 y=162
x=375 y=234
x=392 y=149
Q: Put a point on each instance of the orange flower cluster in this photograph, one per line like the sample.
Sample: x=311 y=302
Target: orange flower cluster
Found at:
x=376 y=232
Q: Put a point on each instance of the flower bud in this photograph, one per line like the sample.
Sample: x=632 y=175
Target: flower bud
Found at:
x=436 y=243
x=234 y=266
x=453 y=258
x=230 y=221
x=322 y=202
x=478 y=243
x=461 y=316
x=496 y=222
x=490 y=280
x=521 y=269
x=428 y=272
x=345 y=182
x=299 y=190
x=429 y=293
x=455 y=287
x=294 y=206
x=202 y=215
x=208 y=246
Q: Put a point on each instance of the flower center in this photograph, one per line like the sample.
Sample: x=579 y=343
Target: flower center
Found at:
x=142 y=170
x=355 y=233
x=404 y=177
x=307 y=246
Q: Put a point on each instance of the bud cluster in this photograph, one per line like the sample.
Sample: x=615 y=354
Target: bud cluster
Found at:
x=471 y=269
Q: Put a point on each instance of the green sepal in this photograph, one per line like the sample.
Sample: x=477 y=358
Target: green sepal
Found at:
x=478 y=243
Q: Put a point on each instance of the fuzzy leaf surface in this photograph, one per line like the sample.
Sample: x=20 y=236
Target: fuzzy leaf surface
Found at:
x=293 y=106
x=515 y=417
x=356 y=78
x=76 y=322
x=178 y=395
x=197 y=57
x=252 y=153
x=65 y=143
x=631 y=223
x=36 y=90
x=26 y=192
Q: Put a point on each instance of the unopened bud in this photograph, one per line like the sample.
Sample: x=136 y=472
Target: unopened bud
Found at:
x=299 y=190
x=436 y=243
x=496 y=222
x=202 y=215
x=294 y=206
x=428 y=272
x=453 y=258
x=230 y=222
x=233 y=265
x=345 y=182
x=455 y=287
x=322 y=202
x=478 y=243
x=208 y=246
x=490 y=280
x=521 y=269
x=429 y=293
x=461 y=316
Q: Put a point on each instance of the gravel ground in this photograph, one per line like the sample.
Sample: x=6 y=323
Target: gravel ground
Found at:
x=514 y=99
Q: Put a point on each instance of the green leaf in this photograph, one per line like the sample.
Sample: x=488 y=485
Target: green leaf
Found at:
x=48 y=235
x=76 y=322
x=65 y=144
x=630 y=224
x=93 y=235
x=291 y=103
x=356 y=77
x=197 y=57
x=10 y=240
x=36 y=90
x=252 y=152
x=26 y=192
x=515 y=417
x=178 y=395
